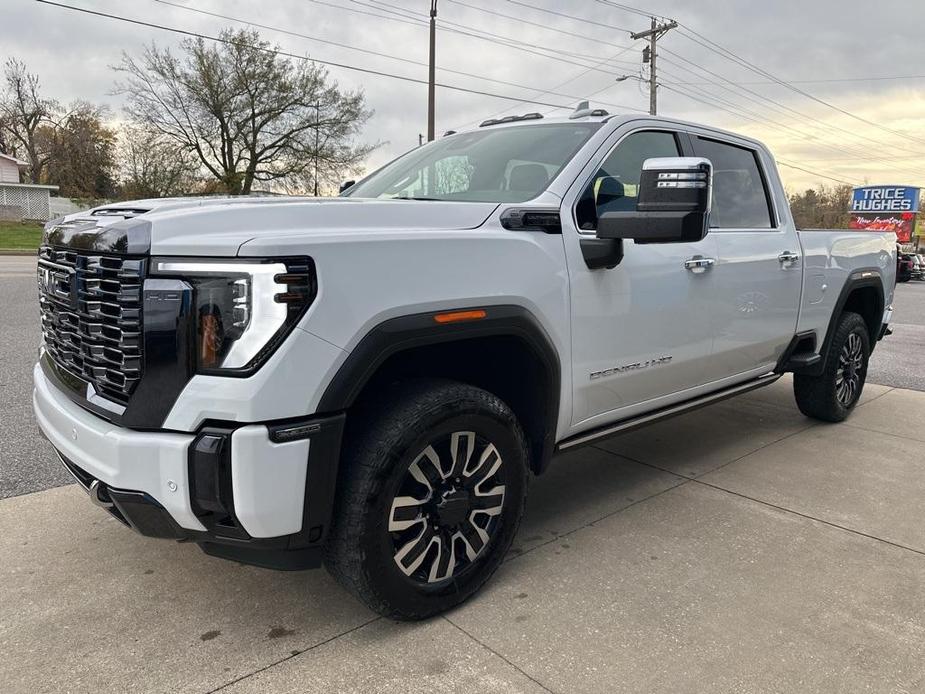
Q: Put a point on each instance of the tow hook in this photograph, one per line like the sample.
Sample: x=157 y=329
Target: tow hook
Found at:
x=98 y=495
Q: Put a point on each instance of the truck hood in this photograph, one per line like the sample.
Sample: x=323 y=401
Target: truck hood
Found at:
x=220 y=226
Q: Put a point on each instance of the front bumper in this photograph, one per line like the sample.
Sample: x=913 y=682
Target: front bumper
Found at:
x=275 y=498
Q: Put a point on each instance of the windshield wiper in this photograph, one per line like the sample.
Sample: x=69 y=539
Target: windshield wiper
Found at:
x=405 y=197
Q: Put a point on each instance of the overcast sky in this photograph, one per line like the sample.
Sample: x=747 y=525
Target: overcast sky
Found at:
x=802 y=42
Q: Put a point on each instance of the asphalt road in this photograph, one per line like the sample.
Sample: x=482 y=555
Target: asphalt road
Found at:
x=898 y=359
x=27 y=463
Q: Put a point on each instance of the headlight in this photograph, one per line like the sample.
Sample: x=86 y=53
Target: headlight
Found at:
x=242 y=310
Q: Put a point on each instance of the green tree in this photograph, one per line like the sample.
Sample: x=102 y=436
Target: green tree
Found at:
x=246 y=113
x=825 y=207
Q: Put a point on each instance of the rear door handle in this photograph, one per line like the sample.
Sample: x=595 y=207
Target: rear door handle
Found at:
x=699 y=264
x=788 y=258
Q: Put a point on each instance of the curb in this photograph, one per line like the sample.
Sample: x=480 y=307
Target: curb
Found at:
x=18 y=252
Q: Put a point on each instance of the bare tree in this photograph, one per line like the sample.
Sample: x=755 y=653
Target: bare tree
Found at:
x=151 y=166
x=23 y=115
x=246 y=113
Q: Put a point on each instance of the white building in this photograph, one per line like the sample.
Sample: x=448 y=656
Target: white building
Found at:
x=21 y=200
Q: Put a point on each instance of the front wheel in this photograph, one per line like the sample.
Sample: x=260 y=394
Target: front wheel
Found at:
x=431 y=493
x=832 y=395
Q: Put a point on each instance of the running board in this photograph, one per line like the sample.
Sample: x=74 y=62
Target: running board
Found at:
x=625 y=425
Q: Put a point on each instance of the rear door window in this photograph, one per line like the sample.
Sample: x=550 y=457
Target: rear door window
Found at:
x=740 y=195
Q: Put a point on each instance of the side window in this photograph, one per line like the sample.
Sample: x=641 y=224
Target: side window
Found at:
x=740 y=198
x=615 y=185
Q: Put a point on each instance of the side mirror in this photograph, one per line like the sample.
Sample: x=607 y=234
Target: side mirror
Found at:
x=345 y=185
x=673 y=203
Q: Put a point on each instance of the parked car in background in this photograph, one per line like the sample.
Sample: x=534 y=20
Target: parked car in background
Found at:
x=369 y=380
x=918 y=266
x=904 y=267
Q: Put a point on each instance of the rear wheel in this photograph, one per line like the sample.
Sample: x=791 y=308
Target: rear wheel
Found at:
x=430 y=496
x=832 y=395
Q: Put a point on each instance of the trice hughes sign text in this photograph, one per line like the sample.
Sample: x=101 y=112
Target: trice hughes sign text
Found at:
x=885 y=208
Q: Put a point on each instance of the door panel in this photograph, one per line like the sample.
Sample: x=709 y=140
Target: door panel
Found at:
x=626 y=321
x=643 y=329
x=756 y=314
x=758 y=290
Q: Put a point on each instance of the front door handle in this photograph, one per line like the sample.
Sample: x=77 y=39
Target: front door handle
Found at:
x=788 y=258
x=699 y=264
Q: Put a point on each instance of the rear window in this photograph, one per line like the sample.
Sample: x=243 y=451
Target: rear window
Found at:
x=740 y=196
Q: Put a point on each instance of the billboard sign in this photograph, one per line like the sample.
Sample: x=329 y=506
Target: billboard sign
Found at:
x=903 y=225
x=885 y=208
x=891 y=199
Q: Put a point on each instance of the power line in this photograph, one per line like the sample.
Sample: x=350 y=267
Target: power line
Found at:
x=729 y=55
x=814 y=173
x=713 y=105
x=734 y=111
x=550 y=91
x=355 y=68
x=568 y=16
x=356 y=48
x=744 y=63
x=393 y=16
x=860 y=154
x=632 y=10
x=827 y=176
x=880 y=78
x=521 y=20
x=653 y=88
x=473 y=32
x=402 y=15
x=801 y=114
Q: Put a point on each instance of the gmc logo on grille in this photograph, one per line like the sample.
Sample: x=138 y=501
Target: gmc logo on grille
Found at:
x=58 y=284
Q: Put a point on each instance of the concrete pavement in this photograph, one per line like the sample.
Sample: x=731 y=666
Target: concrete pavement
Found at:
x=741 y=547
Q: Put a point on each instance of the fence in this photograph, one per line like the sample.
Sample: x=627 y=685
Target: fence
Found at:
x=32 y=200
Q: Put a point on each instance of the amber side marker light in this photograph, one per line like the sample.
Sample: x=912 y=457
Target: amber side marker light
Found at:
x=459 y=316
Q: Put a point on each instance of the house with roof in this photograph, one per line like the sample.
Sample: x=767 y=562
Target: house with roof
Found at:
x=21 y=200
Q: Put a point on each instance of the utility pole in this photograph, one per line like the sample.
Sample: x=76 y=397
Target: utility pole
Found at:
x=430 y=84
x=648 y=56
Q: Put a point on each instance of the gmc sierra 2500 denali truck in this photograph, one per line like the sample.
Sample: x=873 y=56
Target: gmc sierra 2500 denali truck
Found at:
x=369 y=380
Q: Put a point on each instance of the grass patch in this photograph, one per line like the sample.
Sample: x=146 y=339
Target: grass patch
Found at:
x=20 y=236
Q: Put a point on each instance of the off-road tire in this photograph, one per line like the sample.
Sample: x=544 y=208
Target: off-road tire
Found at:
x=382 y=440
x=818 y=396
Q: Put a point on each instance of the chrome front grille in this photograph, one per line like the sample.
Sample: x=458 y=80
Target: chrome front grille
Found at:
x=92 y=317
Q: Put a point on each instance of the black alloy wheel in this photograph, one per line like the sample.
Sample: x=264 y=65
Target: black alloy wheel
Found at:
x=447 y=508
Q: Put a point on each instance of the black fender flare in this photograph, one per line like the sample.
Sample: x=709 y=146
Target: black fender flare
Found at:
x=402 y=333
x=858 y=279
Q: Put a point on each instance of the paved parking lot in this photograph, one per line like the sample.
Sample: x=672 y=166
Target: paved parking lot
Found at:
x=741 y=547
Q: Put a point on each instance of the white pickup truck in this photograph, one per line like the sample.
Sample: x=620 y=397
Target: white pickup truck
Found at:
x=368 y=381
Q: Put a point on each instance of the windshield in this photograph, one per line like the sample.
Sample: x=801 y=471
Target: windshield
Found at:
x=511 y=164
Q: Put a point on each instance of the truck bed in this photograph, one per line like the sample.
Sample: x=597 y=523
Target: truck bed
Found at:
x=830 y=257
